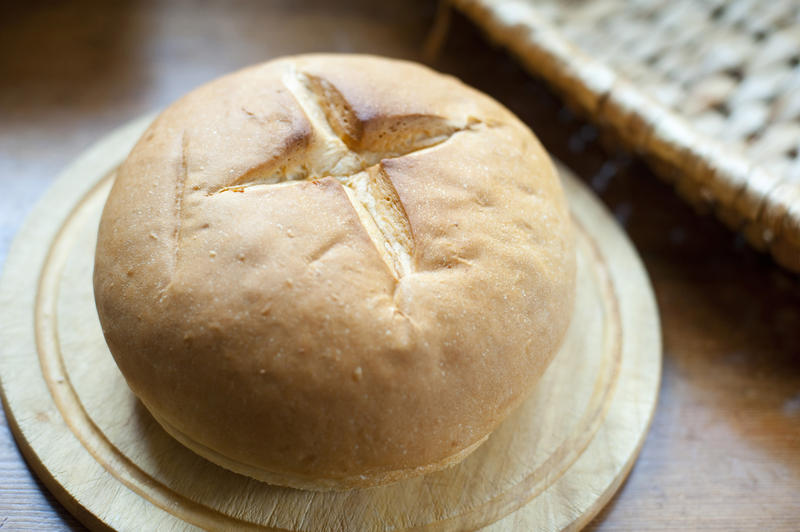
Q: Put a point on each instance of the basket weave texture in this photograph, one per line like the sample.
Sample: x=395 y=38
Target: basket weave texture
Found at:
x=707 y=90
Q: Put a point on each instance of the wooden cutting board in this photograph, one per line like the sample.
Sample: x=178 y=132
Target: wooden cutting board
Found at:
x=551 y=465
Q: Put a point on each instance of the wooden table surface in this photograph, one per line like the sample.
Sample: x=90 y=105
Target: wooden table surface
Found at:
x=724 y=449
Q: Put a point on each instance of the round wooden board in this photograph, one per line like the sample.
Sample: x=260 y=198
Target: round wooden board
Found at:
x=551 y=466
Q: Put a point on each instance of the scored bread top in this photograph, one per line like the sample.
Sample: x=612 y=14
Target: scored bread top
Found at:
x=334 y=271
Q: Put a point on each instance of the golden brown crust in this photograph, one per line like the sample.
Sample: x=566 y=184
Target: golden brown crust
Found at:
x=334 y=271
x=312 y=482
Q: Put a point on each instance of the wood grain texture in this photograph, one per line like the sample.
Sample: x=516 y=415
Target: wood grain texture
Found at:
x=723 y=450
x=550 y=466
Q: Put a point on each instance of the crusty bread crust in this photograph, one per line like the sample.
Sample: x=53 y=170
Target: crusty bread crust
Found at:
x=334 y=271
x=313 y=482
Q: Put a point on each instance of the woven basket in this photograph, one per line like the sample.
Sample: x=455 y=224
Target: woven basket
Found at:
x=708 y=91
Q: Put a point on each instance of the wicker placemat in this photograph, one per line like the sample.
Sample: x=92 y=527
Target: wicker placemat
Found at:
x=707 y=90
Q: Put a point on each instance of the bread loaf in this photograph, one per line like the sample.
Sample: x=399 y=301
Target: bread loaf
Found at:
x=334 y=271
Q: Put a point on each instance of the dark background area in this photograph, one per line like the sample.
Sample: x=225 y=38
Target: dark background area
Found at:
x=724 y=449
